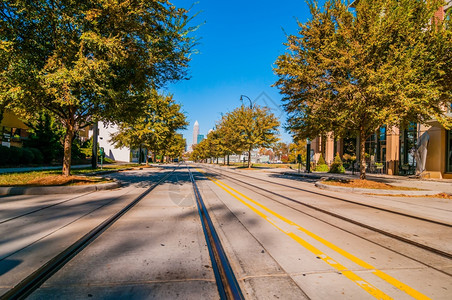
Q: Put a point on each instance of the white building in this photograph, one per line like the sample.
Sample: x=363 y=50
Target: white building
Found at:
x=195 y=133
x=124 y=154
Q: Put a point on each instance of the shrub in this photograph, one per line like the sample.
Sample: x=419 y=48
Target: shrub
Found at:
x=4 y=155
x=28 y=156
x=15 y=157
x=322 y=168
x=38 y=157
x=336 y=166
x=321 y=165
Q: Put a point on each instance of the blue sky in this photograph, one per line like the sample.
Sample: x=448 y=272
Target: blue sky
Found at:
x=238 y=44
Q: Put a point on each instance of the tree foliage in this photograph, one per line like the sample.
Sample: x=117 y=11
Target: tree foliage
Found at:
x=242 y=130
x=89 y=60
x=156 y=129
x=356 y=71
x=251 y=128
x=45 y=135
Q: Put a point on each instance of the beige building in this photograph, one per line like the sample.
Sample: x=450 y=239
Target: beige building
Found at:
x=392 y=150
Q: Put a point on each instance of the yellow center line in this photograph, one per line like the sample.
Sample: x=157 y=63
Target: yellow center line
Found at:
x=349 y=274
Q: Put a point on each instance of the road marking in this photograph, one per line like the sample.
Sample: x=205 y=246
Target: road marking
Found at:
x=349 y=274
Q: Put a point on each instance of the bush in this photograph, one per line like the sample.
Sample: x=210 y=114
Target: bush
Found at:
x=28 y=156
x=38 y=157
x=321 y=165
x=15 y=157
x=337 y=166
x=4 y=155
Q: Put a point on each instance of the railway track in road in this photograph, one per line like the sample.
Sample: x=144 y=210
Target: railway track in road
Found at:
x=228 y=287
x=332 y=197
x=333 y=251
x=266 y=191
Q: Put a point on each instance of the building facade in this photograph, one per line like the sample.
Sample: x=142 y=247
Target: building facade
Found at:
x=195 y=133
x=13 y=130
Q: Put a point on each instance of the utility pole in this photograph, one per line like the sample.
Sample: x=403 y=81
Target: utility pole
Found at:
x=308 y=156
x=95 y=135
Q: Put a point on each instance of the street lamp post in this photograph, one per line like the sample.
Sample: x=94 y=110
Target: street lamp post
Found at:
x=308 y=156
x=251 y=102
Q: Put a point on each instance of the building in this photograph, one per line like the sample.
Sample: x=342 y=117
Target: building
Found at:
x=195 y=133
x=13 y=130
x=199 y=138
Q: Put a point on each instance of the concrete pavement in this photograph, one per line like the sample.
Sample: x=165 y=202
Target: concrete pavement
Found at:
x=440 y=186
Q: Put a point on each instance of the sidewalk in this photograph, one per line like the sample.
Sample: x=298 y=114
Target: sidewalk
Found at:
x=440 y=185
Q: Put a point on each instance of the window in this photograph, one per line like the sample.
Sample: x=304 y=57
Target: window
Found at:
x=408 y=140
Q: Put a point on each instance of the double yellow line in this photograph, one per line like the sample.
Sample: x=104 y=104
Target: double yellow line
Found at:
x=281 y=224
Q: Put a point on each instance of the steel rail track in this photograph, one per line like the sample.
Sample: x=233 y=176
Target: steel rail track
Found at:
x=389 y=234
x=227 y=284
x=38 y=277
x=340 y=199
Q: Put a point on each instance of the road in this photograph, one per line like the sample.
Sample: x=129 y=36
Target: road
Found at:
x=284 y=238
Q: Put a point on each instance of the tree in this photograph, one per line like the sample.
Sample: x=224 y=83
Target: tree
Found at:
x=354 y=72
x=176 y=147
x=297 y=148
x=45 y=135
x=250 y=128
x=281 y=151
x=85 y=61
x=227 y=134
x=156 y=129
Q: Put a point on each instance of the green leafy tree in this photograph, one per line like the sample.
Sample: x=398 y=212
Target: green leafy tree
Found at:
x=200 y=151
x=46 y=135
x=297 y=148
x=156 y=129
x=354 y=72
x=89 y=60
x=226 y=134
x=176 y=147
x=251 y=128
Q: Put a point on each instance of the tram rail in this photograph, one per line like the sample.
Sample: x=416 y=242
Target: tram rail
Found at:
x=227 y=285
x=260 y=189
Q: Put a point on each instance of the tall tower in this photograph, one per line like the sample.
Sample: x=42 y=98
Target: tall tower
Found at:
x=195 y=133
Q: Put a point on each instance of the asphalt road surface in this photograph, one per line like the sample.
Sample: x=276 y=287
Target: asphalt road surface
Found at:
x=284 y=238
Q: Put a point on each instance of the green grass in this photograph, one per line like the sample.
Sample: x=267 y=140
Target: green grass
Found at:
x=24 y=178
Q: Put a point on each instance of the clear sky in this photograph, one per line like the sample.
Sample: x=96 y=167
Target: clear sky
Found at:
x=239 y=43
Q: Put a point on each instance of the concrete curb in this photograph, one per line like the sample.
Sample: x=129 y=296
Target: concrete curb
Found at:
x=47 y=190
x=374 y=191
x=304 y=175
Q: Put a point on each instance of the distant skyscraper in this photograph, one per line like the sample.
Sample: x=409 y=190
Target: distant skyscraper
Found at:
x=199 y=138
x=195 y=133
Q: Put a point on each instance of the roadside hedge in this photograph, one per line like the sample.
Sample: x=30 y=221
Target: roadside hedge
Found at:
x=15 y=156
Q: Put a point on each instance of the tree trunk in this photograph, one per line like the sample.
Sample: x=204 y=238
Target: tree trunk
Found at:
x=147 y=158
x=249 y=159
x=228 y=159
x=362 y=149
x=68 y=148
